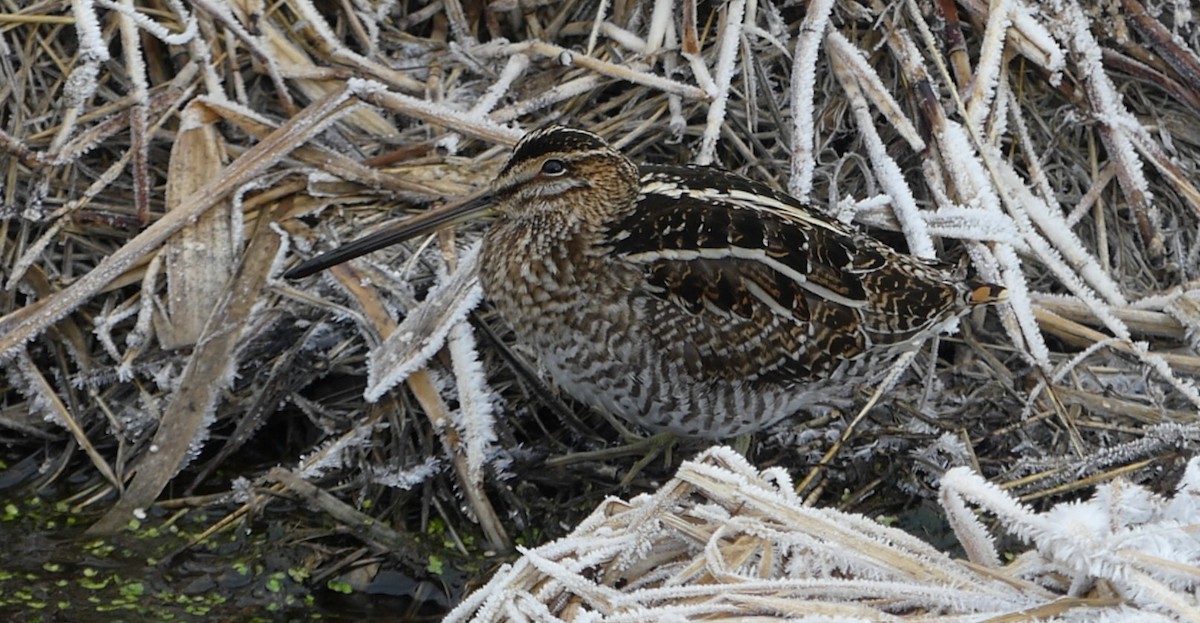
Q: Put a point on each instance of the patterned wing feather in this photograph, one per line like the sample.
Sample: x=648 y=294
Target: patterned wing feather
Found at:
x=774 y=291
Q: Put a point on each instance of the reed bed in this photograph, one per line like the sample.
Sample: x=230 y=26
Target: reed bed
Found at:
x=163 y=163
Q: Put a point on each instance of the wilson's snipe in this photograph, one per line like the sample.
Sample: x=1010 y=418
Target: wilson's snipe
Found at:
x=687 y=299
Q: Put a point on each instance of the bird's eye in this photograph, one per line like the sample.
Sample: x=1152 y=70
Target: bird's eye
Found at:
x=553 y=167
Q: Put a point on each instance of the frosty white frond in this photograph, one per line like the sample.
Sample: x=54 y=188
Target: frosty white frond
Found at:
x=1143 y=547
x=424 y=331
x=723 y=541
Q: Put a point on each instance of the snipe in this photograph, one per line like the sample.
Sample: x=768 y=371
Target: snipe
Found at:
x=687 y=299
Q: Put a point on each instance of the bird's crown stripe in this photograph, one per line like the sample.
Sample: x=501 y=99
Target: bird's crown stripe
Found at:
x=556 y=140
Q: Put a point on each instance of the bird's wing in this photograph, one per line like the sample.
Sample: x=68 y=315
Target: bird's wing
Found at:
x=797 y=291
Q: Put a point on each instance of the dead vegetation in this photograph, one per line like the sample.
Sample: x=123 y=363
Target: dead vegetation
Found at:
x=164 y=163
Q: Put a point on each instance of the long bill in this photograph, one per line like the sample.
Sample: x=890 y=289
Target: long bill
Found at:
x=445 y=216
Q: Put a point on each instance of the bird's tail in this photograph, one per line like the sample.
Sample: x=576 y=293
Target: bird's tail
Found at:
x=983 y=293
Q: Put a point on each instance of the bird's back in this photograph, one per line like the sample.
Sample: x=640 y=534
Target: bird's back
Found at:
x=770 y=289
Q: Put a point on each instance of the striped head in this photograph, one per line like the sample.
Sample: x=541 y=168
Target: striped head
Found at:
x=565 y=173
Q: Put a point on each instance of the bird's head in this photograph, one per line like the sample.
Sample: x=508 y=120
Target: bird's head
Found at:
x=556 y=175
x=567 y=173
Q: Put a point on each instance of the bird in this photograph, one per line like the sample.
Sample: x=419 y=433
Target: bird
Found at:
x=687 y=299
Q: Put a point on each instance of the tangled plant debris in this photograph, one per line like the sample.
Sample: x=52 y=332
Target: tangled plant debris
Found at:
x=723 y=541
